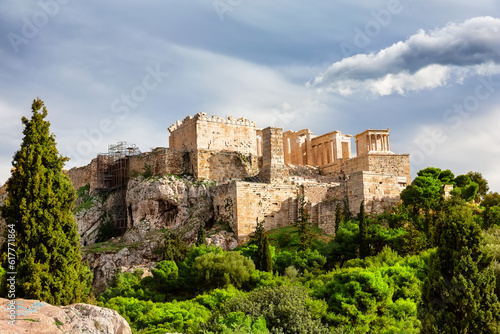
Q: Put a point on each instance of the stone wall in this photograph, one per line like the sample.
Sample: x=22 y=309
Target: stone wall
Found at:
x=317 y=197
x=226 y=165
x=381 y=191
x=183 y=135
x=163 y=161
x=81 y=176
x=273 y=161
x=395 y=164
x=214 y=133
x=274 y=204
x=241 y=204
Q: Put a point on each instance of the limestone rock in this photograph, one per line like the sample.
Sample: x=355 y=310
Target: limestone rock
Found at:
x=33 y=316
x=223 y=239
x=88 y=221
x=119 y=256
x=168 y=202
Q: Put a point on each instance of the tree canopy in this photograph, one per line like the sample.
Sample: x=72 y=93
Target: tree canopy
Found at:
x=39 y=208
x=458 y=294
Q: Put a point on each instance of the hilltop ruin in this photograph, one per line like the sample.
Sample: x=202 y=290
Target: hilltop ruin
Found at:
x=261 y=173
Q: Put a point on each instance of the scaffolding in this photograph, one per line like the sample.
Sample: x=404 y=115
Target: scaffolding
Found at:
x=112 y=167
x=112 y=176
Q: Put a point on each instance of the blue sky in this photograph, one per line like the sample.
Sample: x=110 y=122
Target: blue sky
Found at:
x=127 y=70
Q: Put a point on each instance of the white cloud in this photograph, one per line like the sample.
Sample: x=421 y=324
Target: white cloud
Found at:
x=425 y=60
x=472 y=146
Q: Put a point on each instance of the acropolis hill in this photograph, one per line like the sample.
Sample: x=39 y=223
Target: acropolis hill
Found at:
x=260 y=173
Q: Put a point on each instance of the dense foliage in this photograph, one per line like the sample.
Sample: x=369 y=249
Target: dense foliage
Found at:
x=425 y=265
x=458 y=294
x=39 y=212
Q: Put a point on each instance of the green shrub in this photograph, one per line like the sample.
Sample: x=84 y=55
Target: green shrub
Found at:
x=184 y=316
x=219 y=270
x=286 y=309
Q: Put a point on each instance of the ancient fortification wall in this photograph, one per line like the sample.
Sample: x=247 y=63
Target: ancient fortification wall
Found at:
x=81 y=176
x=214 y=133
x=226 y=165
x=394 y=164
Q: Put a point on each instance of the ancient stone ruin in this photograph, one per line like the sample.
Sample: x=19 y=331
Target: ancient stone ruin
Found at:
x=260 y=173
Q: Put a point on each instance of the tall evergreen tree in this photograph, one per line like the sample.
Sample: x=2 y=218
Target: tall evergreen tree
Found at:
x=458 y=294
x=347 y=209
x=264 y=260
x=201 y=238
x=303 y=226
x=39 y=208
x=364 y=247
x=339 y=217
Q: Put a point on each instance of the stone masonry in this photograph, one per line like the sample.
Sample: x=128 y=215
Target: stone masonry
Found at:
x=262 y=173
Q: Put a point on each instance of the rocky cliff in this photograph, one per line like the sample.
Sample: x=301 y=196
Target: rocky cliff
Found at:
x=33 y=316
x=169 y=202
x=152 y=206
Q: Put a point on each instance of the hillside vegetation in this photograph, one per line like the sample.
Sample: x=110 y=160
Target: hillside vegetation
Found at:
x=429 y=265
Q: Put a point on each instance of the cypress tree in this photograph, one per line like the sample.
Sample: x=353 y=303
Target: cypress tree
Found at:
x=303 y=226
x=39 y=209
x=347 y=209
x=201 y=238
x=458 y=294
x=339 y=217
x=364 y=247
x=264 y=261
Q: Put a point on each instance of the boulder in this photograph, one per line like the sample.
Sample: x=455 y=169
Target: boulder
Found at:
x=21 y=316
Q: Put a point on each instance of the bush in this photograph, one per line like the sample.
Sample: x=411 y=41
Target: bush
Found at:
x=239 y=323
x=286 y=309
x=184 y=316
x=219 y=270
x=308 y=260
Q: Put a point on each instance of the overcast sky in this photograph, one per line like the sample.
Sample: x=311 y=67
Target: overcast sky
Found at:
x=126 y=70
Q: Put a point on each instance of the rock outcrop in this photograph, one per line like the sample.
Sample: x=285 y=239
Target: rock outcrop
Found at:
x=169 y=202
x=134 y=250
x=88 y=221
x=223 y=239
x=33 y=316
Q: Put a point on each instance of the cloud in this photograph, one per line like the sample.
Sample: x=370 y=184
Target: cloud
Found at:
x=425 y=60
x=471 y=146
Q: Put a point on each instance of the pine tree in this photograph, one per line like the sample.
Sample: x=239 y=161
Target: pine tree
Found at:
x=339 y=217
x=364 y=247
x=264 y=261
x=39 y=208
x=458 y=294
x=303 y=226
x=201 y=238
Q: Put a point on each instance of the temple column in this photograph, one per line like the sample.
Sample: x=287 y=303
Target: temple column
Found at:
x=309 y=156
x=332 y=151
x=316 y=157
